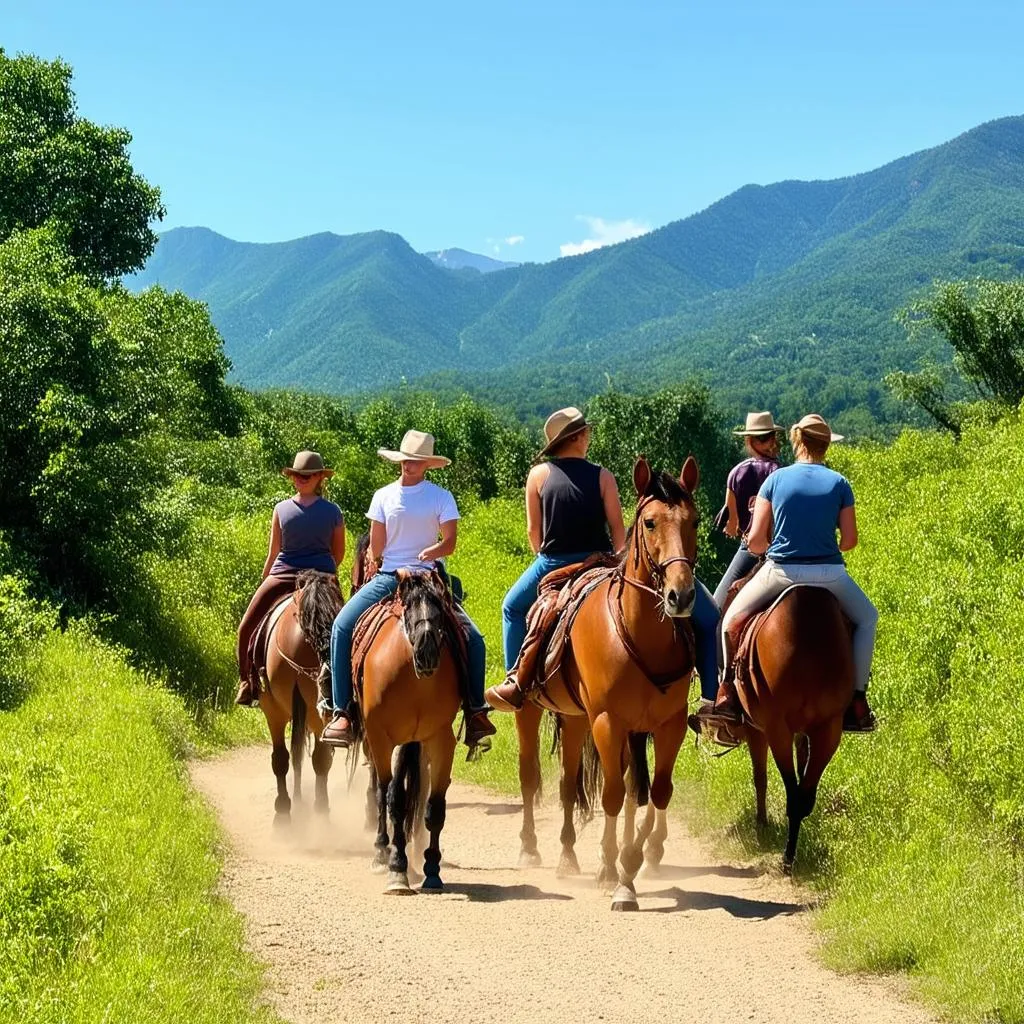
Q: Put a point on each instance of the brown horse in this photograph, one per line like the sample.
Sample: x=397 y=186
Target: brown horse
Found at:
x=409 y=698
x=801 y=682
x=627 y=670
x=292 y=663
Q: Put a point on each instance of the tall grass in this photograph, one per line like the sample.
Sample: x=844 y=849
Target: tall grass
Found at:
x=108 y=863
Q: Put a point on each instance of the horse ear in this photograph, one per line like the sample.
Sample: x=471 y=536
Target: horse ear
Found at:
x=641 y=476
x=689 y=476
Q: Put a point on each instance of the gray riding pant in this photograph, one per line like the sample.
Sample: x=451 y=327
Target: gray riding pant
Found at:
x=773 y=578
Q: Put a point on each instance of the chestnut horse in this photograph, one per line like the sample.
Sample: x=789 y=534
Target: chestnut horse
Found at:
x=802 y=682
x=292 y=664
x=626 y=674
x=409 y=698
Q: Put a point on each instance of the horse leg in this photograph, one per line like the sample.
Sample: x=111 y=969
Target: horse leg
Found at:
x=371 y=792
x=528 y=728
x=610 y=741
x=323 y=758
x=654 y=849
x=380 y=780
x=398 y=862
x=574 y=735
x=279 y=757
x=780 y=739
x=757 y=744
x=441 y=752
x=823 y=741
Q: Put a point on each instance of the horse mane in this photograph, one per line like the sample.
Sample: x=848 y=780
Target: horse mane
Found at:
x=319 y=604
x=359 y=561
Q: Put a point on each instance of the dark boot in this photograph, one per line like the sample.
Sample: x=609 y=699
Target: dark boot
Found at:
x=506 y=696
x=859 y=717
x=478 y=725
x=726 y=710
x=245 y=698
x=339 y=732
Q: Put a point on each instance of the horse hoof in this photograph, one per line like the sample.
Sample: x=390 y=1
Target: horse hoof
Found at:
x=624 y=899
x=787 y=867
x=568 y=866
x=529 y=859
x=282 y=819
x=432 y=883
x=398 y=885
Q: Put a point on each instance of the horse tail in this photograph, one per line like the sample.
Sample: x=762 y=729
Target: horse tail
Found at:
x=639 y=770
x=320 y=601
x=298 y=729
x=408 y=779
x=589 y=780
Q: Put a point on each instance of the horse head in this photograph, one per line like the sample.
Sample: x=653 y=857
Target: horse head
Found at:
x=664 y=535
x=423 y=618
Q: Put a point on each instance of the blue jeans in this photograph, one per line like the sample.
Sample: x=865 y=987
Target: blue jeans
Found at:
x=384 y=584
x=705 y=618
x=521 y=596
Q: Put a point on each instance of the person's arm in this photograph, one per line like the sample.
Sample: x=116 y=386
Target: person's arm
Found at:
x=534 y=515
x=732 y=527
x=613 y=510
x=445 y=546
x=759 y=536
x=847 y=528
x=274 y=548
x=338 y=543
x=378 y=540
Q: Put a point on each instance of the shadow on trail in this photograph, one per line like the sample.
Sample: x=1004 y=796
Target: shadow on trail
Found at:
x=668 y=872
x=487 y=808
x=487 y=892
x=737 y=906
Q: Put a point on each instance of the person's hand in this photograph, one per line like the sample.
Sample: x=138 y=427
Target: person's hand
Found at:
x=424 y=555
x=732 y=528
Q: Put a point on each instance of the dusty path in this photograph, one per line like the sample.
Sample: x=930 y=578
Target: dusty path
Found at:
x=507 y=945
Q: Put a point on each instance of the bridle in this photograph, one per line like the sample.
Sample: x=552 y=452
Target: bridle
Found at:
x=642 y=553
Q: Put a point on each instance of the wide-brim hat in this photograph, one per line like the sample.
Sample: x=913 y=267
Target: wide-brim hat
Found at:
x=759 y=424
x=815 y=426
x=307 y=463
x=562 y=425
x=416 y=446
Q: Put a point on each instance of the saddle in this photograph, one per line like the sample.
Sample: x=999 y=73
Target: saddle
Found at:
x=259 y=644
x=549 y=621
x=373 y=620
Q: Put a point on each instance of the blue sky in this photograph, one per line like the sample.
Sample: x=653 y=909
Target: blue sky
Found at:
x=521 y=130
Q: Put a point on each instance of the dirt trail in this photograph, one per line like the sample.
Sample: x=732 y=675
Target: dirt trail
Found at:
x=508 y=945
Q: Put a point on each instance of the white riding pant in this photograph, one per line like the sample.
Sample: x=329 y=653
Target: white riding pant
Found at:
x=774 y=577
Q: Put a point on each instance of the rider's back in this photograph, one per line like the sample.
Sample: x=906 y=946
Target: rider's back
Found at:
x=806 y=501
x=572 y=508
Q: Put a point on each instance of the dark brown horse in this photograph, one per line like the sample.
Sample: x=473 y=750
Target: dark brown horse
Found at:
x=626 y=675
x=292 y=663
x=801 y=682
x=409 y=698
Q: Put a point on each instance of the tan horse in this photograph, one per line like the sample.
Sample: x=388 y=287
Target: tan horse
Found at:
x=801 y=682
x=409 y=698
x=292 y=664
x=626 y=674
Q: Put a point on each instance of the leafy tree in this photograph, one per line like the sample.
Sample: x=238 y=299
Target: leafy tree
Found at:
x=60 y=168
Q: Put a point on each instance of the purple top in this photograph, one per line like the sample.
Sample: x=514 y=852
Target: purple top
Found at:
x=745 y=481
x=306 y=532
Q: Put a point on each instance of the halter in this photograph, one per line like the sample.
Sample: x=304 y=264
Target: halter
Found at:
x=656 y=570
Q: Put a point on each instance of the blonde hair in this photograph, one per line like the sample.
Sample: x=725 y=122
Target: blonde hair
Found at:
x=813 y=448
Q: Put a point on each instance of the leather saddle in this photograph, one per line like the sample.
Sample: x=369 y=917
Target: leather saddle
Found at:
x=259 y=644
x=560 y=596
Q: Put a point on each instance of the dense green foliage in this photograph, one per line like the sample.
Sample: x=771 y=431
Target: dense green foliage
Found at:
x=782 y=296
x=59 y=169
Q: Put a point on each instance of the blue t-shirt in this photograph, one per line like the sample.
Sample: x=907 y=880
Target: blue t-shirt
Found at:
x=306 y=532
x=806 y=500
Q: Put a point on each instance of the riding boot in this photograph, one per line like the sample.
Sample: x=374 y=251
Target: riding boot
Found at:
x=478 y=725
x=859 y=717
x=339 y=732
x=506 y=696
x=245 y=698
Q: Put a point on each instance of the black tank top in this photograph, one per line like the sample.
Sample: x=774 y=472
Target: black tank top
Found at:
x=572 y=508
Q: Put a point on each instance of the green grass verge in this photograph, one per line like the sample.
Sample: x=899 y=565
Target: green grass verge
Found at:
x=108 y=862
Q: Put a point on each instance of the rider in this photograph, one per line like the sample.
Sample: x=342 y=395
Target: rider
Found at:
x=572 y=505
x=307 y=532
x=796 y=515
x=761 y=439
x=406 y=518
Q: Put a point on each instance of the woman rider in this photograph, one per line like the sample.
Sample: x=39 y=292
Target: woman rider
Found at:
x=761 y=439
x=307 y=532
x=406 y=518
x=796 y=515
x=572 y=512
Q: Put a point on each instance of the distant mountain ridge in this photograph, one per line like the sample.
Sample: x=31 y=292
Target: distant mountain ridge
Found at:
x=460 y=259
x=779 y=294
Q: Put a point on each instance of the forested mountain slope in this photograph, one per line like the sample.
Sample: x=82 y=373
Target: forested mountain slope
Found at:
x=777 y=293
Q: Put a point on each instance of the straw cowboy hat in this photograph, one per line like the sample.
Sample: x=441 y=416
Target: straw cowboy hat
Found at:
x=416 y=447
x=759 y=423
x=815 y=426
x=306 y=464
x=560 y=426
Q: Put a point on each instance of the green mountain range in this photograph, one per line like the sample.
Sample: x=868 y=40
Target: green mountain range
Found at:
x=780 y=295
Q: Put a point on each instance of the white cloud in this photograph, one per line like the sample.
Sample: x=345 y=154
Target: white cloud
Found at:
x=604 y=232
x=515 y=239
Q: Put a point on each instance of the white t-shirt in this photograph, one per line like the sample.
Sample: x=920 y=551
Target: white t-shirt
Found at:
x=412 y=517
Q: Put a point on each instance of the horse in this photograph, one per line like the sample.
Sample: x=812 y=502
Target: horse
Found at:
x=801 y=682
x=409 y=698
x=625 y=675
x=302 y=629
